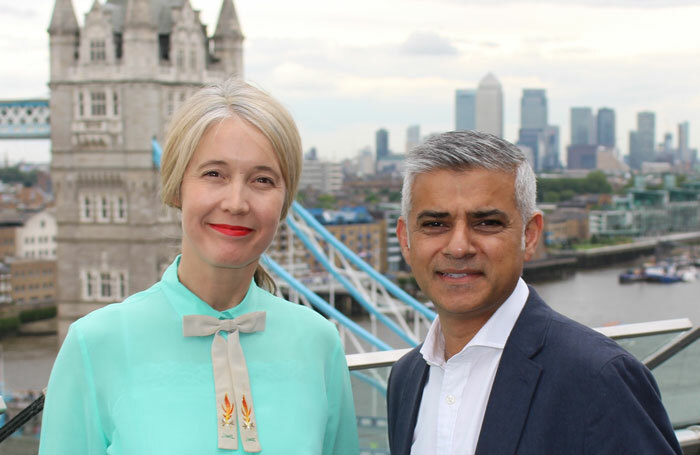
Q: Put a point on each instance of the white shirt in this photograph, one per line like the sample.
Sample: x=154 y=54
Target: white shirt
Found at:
x=457 y=391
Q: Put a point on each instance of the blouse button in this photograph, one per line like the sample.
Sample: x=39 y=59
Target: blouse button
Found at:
x=450 y=399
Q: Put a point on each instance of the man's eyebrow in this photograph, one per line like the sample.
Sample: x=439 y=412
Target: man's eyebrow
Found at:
x=432 y=214
x=488 y=213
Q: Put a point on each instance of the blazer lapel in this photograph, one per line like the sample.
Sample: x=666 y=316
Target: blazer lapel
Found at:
x=515 y=382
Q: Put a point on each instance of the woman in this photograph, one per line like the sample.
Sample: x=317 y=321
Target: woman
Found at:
x=207 y=360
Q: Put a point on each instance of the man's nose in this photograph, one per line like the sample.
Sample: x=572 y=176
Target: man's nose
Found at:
x=460 y=242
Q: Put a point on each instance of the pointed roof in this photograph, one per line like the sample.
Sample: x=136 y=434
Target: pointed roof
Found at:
x=138 y=14
x=489 y=81
x=96 y=6
x=63 y=18
x=228 y=24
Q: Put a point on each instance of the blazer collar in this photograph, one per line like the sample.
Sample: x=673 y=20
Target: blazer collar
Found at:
x=516 y=380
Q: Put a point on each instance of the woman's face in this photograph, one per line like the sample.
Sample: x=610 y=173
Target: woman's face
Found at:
x=232 y=195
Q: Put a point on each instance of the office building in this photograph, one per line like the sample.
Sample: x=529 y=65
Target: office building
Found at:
x=642 y=141
x=382 y=144
x=465 y=109
x=489 y=106
x=323 y=176
x=582 y=126
x=605 y=127
x=683 y=145
x=533 y=109
x=412 y=137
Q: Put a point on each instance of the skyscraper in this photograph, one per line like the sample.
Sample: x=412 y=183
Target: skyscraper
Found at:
x=382 y=144
x=642 y=141
x=465 y=109
x=582 y=126
x=683 y=145
x=412 y=137
x=489 y=106
x=115 y=84
x=533 y=109
x=606 y=127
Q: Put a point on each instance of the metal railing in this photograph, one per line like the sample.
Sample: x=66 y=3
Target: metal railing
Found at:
x=689 y=438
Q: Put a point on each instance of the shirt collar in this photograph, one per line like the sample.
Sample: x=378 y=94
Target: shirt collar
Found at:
x=493 y=334
x=186 y=302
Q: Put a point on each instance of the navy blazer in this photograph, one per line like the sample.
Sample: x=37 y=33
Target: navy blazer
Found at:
x=560 y=388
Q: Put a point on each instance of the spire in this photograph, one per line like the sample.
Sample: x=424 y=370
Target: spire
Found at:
x=138 y=14
x=228 y=25
x=63 y=19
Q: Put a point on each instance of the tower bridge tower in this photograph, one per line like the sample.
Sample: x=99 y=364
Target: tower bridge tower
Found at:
x=115 y=82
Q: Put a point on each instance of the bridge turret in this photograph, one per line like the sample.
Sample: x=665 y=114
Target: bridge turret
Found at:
x=140 y=39
x=64 y=39
x=228 y=40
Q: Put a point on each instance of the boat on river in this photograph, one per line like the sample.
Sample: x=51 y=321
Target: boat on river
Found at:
x=661 y=272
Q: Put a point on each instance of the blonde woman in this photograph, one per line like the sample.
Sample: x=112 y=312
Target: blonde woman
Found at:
x=208 y=360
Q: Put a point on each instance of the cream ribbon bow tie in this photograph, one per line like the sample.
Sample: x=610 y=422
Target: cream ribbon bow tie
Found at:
x=231 y=379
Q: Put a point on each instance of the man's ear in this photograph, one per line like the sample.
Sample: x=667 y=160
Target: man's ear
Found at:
x=533 y=230
x=402 y=234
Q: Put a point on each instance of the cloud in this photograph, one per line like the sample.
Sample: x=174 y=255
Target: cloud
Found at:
x=602 y=3
x=18 y=12
x=427 y=43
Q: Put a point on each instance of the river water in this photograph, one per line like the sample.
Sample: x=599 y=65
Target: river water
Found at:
x=592 y=297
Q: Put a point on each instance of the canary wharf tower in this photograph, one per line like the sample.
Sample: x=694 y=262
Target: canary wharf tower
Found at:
x=115 y=83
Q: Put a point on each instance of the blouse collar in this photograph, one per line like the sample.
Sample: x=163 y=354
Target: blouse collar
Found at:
x=186 y=302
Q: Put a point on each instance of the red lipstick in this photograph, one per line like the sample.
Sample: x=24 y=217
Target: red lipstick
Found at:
x=233 y=231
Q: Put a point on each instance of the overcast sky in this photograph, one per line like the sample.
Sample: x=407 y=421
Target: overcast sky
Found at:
x=347 y=68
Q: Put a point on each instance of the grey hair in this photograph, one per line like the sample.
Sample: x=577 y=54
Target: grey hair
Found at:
x=464 y=150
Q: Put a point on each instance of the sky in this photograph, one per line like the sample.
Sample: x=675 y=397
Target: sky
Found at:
x=345 y=69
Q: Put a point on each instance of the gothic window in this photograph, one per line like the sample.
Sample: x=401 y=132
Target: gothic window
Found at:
x=120 y=209
x=117 y=45
x=97 y=50
x=105 y=284
x=122 y=285
x=102 y=209
x=98 y=104
x=86 y=208
x=115 y=104
x=89 y=285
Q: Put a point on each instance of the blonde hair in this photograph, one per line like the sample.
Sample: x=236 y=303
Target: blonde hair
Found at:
x=212 y=104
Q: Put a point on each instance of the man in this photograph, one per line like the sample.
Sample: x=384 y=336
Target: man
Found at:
x=500 y=372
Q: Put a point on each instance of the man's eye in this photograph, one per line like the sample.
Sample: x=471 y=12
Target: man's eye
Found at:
x=433 y=224
x=490 y=224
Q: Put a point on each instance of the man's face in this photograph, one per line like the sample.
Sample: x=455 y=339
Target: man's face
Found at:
x=464 y=240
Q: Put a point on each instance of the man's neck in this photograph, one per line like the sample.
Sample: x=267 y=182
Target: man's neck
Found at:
x=458 y=331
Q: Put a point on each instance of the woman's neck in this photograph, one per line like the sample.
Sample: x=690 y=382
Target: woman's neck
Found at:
x=220 y=287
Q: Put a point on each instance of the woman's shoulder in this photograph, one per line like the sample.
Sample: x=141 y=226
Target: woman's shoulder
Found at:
x=301 y=316
x=111 y=316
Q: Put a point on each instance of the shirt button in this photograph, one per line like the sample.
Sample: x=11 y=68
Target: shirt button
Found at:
x=450 y=399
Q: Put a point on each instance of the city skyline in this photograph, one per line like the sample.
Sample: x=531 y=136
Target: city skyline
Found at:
x=342 y=86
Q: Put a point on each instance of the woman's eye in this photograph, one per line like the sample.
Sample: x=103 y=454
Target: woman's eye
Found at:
x=265 y=180
x=212 y=174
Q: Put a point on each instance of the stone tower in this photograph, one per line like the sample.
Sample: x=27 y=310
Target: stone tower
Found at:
x=115 y=83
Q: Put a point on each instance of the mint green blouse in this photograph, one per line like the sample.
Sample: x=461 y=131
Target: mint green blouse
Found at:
x=126 y=380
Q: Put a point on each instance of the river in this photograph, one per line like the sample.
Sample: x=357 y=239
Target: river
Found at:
x=592 y=297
